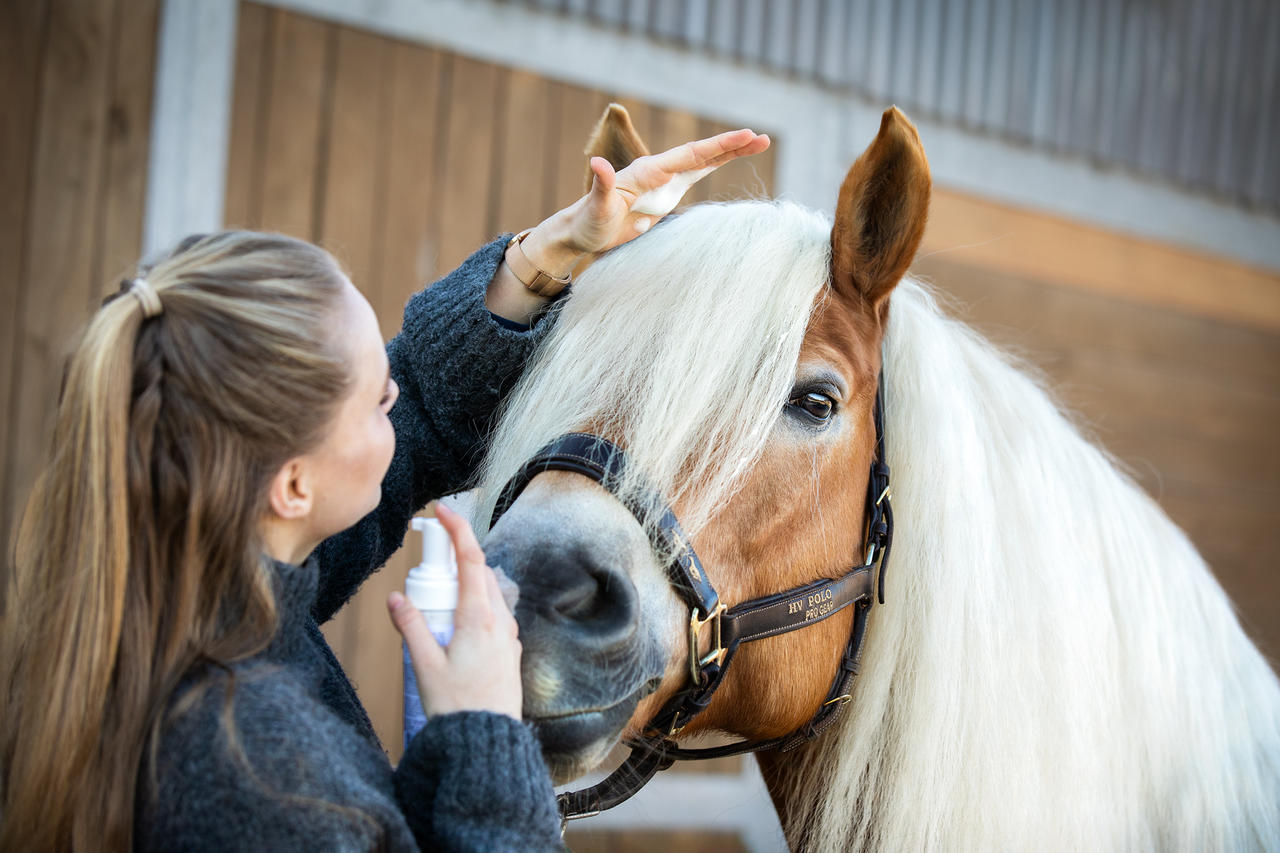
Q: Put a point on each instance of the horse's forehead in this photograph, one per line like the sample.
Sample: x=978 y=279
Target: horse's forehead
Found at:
x=845 y=334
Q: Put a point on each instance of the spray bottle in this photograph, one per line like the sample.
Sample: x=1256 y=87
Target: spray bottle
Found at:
x=432 y=587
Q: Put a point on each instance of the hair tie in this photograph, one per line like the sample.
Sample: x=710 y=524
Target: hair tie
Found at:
x=147 y=297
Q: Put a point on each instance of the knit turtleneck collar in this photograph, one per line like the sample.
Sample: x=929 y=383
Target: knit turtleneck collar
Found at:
x=295 y=588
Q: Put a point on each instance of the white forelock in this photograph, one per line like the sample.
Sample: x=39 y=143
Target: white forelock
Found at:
x=681 y=346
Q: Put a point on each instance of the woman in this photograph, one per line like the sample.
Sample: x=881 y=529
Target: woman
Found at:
x=163 y=680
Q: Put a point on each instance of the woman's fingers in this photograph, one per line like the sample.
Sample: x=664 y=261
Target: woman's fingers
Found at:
x=712 y=151
x=465 y=546
x=408 y=621
x=603 y=177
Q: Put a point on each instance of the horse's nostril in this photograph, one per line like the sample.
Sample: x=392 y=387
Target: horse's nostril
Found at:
x=592 y=598
x=578 y=601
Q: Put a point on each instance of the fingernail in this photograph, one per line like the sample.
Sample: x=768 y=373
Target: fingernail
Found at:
x=396 y=600
x=442 y=508
x=643 y=223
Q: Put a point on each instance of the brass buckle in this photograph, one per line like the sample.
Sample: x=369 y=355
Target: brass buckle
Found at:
x=717 y=653
x=871 y=549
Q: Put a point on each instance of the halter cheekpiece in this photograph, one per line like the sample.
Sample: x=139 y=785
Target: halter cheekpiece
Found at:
x=727 y=628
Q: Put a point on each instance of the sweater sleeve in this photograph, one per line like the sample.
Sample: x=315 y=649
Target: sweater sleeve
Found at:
x=454 y=364
x=476 y=781
x=289 y=775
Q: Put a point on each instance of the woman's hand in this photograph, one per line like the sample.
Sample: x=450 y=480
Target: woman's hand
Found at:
x=620 y=206
x=480 y=670
x=610 y=214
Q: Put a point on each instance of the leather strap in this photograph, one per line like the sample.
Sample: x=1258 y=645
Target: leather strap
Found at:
x=542 y=283
x=640 y=766
x=601 y=460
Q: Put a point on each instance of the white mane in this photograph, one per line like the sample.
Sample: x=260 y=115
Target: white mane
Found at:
x=1055 y=667
x=678 y=345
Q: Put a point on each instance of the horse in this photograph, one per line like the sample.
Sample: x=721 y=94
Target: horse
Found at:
x=1054 y=664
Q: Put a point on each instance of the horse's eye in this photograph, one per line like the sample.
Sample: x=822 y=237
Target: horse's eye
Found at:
x=814 y=404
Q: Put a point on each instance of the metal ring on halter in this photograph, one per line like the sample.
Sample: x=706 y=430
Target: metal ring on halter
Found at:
x=147 y=297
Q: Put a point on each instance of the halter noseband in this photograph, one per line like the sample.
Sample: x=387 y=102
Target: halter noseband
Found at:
x=604 y=462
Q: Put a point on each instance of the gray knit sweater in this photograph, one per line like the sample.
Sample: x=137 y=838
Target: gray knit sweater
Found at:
x=304 y=769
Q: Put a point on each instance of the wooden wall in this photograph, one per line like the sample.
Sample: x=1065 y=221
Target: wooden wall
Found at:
x=402 y=160
x=76 y=104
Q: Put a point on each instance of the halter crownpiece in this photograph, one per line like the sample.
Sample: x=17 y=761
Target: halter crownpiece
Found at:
x=601 y=460
x=146 y=296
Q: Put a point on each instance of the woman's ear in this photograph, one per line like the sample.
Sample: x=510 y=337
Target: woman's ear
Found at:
x=290 y=494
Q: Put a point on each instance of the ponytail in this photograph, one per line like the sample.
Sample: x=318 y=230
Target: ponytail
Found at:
x=138 y=552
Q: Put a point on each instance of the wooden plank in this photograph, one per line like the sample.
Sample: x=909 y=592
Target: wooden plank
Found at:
x=297 y=98
x=415 y=128
x=251 y=89
x=465 y=184
x=23 y=29
x=347 y=212
x=66 y=185
x=1021 y=242
x=527 y=137
x=128 y=135
x=1049 y=321
x=579 y=110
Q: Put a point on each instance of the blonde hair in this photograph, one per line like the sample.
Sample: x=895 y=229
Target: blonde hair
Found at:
x=138 y=552
x=709 y=311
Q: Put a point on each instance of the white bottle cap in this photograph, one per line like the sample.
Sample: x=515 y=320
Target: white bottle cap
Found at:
x=433 y=583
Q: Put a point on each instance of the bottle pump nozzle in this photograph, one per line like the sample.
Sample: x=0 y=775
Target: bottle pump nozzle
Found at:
x=433 y=583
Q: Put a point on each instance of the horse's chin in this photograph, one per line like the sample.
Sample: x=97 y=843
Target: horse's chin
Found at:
x=576 y=742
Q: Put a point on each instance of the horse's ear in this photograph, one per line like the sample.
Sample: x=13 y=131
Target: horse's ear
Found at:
x=881 y=213
x=615 y=139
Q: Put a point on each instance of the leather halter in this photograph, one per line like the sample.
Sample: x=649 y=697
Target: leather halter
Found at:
x=604 y=462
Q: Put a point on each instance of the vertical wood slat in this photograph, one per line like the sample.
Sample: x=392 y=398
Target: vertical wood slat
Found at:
x=348 y=213
x=249 y=100
x=468 y=157
x=528 y=141
x=23 y=28
x=300 y=49
x=414 y=130
x=578 y=111
x=127 y=144
x=64 y=225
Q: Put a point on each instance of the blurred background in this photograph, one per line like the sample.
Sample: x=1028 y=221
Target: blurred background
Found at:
x=1107 y=205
